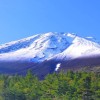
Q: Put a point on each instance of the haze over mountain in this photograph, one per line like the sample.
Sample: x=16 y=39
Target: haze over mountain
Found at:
x=48 y=51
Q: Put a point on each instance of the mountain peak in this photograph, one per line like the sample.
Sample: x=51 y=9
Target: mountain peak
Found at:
x=72 y=35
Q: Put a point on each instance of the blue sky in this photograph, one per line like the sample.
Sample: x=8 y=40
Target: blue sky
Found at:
x=22 y=18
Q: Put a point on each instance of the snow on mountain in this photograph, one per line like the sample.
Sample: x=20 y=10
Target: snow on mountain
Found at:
x=37 y=48
x=47 y=46
x=57 y=66
x=80 y=47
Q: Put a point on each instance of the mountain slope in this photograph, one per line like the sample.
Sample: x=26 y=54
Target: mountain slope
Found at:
x=80 y=47
x=48 y=46
x=49 y=52
x=37 y=48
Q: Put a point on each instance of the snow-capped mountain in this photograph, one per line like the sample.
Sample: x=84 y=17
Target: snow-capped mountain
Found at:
x=49 y=52
x=48 y=46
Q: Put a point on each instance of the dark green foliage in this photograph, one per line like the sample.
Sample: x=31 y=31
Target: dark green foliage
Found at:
x=56 y=86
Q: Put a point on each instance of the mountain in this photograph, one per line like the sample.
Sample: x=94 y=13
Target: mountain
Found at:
x=48 y=52
x=47 y=46
x=36 y=48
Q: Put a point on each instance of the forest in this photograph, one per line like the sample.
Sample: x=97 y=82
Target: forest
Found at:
x=56 y=86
